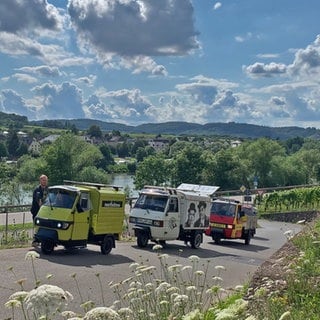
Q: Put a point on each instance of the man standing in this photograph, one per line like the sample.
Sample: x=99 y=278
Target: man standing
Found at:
x=39 y=195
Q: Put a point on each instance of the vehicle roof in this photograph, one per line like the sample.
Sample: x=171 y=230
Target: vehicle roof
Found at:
x=63 y=187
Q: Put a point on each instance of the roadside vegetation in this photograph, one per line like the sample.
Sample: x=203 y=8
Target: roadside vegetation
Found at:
x=285 y=288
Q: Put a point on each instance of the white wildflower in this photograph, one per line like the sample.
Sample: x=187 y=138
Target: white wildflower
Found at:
x=125 y=312
x=162 y=287
x=199 y=273
x=19 y=295
x=286 y=315
x=186 y=268
x=147 y=269
x=191 y=288
x=289 y=234
x=46 y=299
x=239 y=287
x=134 y=265
x=12 y=303
x=174 y=267
x=194 y=258
x=31 y=255
x=101 y=313
x=149 y=285
x=157 y=247
x=193 y=315
x=68 y=314
x=180 y=299
x=220 y=268
x=163 y=256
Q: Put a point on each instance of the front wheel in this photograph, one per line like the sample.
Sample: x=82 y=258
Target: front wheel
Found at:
x=247 y=238
x=196 y=240
x=47 y=246
x=142 y=239
x=107 y=245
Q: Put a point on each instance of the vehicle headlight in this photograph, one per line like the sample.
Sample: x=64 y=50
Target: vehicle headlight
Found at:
x=63 y=225
x=37 y=221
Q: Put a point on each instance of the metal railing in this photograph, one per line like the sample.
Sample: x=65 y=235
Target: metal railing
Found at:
x=20 y=211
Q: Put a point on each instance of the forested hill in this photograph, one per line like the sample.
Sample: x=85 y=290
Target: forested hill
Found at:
x=231 y=129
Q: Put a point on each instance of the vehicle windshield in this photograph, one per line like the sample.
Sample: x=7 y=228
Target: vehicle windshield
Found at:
x=58 y=198
x=152 y=202
x=223 y=209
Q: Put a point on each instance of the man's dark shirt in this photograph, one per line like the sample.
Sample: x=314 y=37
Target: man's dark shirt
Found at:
x=39 y=193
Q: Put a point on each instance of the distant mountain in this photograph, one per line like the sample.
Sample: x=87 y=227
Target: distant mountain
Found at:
x=230 y=129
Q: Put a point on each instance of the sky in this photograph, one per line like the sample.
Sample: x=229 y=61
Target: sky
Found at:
x=151 y=61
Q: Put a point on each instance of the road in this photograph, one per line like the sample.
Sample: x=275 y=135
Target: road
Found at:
x=240 y=261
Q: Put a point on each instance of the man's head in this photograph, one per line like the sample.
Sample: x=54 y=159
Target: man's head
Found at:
x=43 y=180
x=202 y=207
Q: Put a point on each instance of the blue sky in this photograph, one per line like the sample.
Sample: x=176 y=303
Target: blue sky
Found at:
x=145 y=61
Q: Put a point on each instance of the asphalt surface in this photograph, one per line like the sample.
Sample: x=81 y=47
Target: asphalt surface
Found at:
x=240 y=261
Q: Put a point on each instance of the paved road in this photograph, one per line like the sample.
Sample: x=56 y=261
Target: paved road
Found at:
x=240 y=261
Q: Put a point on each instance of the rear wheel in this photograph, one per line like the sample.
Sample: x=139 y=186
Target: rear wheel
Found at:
x=196 y=240
x=142 y=239
x=216 y=239
x=107 y=245
x=247 y=238
x=47 y=246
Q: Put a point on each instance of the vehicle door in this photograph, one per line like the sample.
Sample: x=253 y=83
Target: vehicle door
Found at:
x=172 y=219
x=81 y=217
x=239 y=222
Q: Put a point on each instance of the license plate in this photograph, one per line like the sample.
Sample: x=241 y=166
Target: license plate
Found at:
x=218 y=225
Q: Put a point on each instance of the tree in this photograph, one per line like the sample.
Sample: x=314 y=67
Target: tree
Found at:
x=30 y=169
x=187 y=166
x=107 y=156
x=3 y=150
x=153 y=170
x=94 y=131
x=141 y=153
x=259 y=154
x=13 y=143
x=123 y=150
x=68 y=156
x=229 y=171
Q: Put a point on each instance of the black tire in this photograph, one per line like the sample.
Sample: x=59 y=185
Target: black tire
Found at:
x=196 y=240
x=247 y=238
x=162 y=243
x=106 y=245
x=47 y=246
x=216 y=239
x=142 y=239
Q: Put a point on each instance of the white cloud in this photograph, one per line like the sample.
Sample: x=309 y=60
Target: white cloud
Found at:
x=265 y=70
x=14 y=103
x=18 y=16
x=143 y=29
x=217 y=5
x=59 y=101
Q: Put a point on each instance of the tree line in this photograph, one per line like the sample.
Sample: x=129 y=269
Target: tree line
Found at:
x=196 y=160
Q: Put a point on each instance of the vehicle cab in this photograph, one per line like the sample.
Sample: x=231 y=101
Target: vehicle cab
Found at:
x=229 y=219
